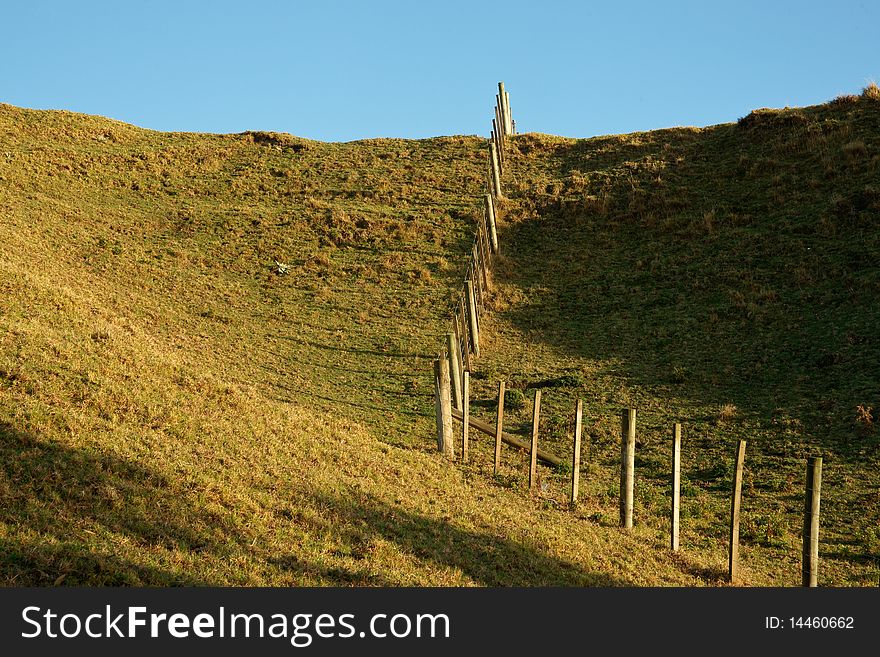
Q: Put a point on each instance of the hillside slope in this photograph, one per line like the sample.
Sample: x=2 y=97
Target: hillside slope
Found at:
x=174 y=410
x=726 y=277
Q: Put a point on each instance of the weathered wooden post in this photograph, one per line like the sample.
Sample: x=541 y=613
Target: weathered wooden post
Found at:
x=465 y=416
x=496 y=174
x=438 y=403
x=481 y=254
x=533 y=451
x=460 y=342
x=498 y=140
x=499 y=425
x=466 y=353
x=733 y=561
x=478 y=281
x=448 y=448
x=676 y=485
x=497 y=122
x=454 y=368
x=472 y=318
x=490 y=216
x=576 y=457
x=499 y=104
x=483 y=231
x=627 y=466
x=504 y=102
x=811 y=522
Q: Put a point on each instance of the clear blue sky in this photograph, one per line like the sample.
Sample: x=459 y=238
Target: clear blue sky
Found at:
x=346 y=70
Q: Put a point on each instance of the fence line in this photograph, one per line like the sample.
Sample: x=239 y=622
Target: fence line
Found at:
x=454 y=364
x=462 y=342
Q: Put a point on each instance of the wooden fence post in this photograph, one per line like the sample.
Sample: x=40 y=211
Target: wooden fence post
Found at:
x=627 y=466
x=811 y=522
x=454 y=369
x=504 y=101
x=733 y=561
x=499 y=425
x=472 y=317
x=676 y=485
x=478 y=282
x=533 y=452
x=482 y=264
x=446 y=409
x=462 y=314
x=499 y=135
x=438 y=405
x=490 y=216
x=460 y=342
x=496 y=176
x=498 y=141
x=493 y=142
x=484 y=240
x=466 y=416
x=576 y=457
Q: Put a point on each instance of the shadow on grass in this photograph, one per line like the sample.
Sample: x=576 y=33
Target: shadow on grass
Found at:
x=59 y=498
x=488 y=559
x=717 y=315
x=38 y=563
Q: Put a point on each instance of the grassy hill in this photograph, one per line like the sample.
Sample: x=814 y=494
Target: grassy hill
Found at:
x=175 y=410
x=725 y=277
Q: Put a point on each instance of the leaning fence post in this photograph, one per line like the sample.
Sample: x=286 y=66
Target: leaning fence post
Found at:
x=811 y=522
x=465 y=415
x=576 y=457
x=627 y=466
x=490 y=215
x=733 y=561
x=454 y=369
x=472 y=318
x=533 y=451
x=499 y=424
x=676 y=485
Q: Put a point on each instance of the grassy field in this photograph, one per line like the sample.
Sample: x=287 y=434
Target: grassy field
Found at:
x=726 y=278
x=173 y=410
x=176 y=410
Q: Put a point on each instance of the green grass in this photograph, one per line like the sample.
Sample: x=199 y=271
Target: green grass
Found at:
x=724 y=277
x=173 y=410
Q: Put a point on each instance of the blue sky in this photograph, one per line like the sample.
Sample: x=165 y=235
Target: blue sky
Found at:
x=338 y=71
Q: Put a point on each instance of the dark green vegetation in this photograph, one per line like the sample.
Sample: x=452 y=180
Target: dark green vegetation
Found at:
x=727 y=278
x=174 y=409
